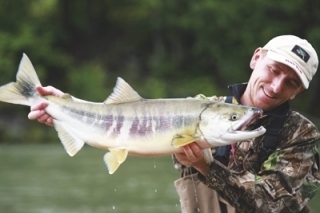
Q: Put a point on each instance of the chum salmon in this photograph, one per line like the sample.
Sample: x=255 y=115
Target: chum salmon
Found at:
x=127 y=124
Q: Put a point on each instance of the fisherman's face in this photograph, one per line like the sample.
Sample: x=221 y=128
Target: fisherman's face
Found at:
x=271 y=83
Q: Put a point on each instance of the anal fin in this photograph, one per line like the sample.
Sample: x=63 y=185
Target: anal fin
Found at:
x=71 y=143
x=120 y=154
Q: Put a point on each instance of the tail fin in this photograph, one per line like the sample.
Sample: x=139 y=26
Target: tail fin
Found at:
x=21 y=91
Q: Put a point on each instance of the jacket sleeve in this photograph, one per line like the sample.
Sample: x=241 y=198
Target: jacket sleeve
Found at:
x=288 y=179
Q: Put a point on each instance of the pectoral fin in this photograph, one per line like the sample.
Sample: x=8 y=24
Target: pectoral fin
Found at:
x=71 y=143
x=208 y=155
x=182 y=140
x=120 y=154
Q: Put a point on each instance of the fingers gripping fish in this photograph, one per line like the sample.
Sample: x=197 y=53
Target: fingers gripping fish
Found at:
x=127 y=124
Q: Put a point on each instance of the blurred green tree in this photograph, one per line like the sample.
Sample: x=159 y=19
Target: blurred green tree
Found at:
x=162 y=48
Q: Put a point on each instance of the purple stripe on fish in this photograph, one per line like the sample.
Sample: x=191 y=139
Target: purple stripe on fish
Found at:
x=108 y=120
x=163 y=123
x=141 y=127
x=134 y=126
x=146 y=126
x=119 y=119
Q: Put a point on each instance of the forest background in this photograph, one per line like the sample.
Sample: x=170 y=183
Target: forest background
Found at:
x=162 y=48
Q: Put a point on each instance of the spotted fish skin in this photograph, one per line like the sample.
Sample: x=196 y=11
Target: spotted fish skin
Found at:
x=127 y=124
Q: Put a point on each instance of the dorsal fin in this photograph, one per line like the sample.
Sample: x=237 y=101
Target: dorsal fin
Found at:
x=122 y=93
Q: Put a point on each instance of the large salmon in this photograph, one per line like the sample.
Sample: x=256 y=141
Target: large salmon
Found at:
x=126 y=123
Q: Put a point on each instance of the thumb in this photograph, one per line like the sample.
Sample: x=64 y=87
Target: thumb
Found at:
x=48 y=90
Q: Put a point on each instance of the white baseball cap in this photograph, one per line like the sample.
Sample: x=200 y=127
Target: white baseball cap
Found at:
x=296 y=53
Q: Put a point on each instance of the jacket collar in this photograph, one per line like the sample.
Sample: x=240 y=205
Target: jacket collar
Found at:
x=237 y=91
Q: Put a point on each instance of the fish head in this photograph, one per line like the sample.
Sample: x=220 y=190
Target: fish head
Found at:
x=223 y=123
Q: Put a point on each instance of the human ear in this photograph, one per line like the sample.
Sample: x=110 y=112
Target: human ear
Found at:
x=292 y=97
x=255 y=57
x=296 y=93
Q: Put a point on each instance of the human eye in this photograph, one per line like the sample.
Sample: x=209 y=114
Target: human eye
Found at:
x=293 y=84
x=272 y=69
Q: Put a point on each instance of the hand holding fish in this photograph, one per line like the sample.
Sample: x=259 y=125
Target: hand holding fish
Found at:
x=37 y=111
x=193 y=156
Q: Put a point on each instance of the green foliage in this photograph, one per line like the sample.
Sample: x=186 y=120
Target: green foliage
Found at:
x=163 y=48
x=88 y=82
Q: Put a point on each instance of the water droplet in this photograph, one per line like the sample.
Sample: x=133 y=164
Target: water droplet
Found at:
x=154 y=163
x=113 y=207
x=155 y=191
x=115 y=190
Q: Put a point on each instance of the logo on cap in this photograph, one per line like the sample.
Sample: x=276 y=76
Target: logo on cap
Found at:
x=301 y=53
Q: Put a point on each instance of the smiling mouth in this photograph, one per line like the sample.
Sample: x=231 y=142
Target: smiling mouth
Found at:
x=267 y=94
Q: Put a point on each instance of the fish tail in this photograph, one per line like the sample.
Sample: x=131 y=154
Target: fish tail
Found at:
x=23 y=91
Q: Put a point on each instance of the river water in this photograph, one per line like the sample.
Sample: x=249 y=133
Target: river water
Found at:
x=44 y=179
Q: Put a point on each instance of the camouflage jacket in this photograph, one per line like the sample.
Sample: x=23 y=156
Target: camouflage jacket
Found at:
x=283 y=183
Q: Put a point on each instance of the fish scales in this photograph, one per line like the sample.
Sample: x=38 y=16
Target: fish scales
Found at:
x=127 y=124
x=141 y=119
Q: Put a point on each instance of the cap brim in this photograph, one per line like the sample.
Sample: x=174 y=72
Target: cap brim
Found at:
x=284 y=60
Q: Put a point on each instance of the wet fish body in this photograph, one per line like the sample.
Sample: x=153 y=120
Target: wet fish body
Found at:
x=127 y=124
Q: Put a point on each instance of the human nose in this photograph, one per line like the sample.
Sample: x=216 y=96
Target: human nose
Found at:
x=277 y=85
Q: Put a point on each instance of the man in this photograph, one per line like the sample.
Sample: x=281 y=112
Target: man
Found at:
x=276 y=172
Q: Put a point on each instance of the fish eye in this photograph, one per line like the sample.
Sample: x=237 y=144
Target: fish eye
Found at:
x=233 y=117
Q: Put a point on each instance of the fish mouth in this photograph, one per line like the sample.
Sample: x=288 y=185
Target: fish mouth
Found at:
x=243 y=126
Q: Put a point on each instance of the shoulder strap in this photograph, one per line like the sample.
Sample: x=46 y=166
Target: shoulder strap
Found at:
x=229 y=99
x=272 y=135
